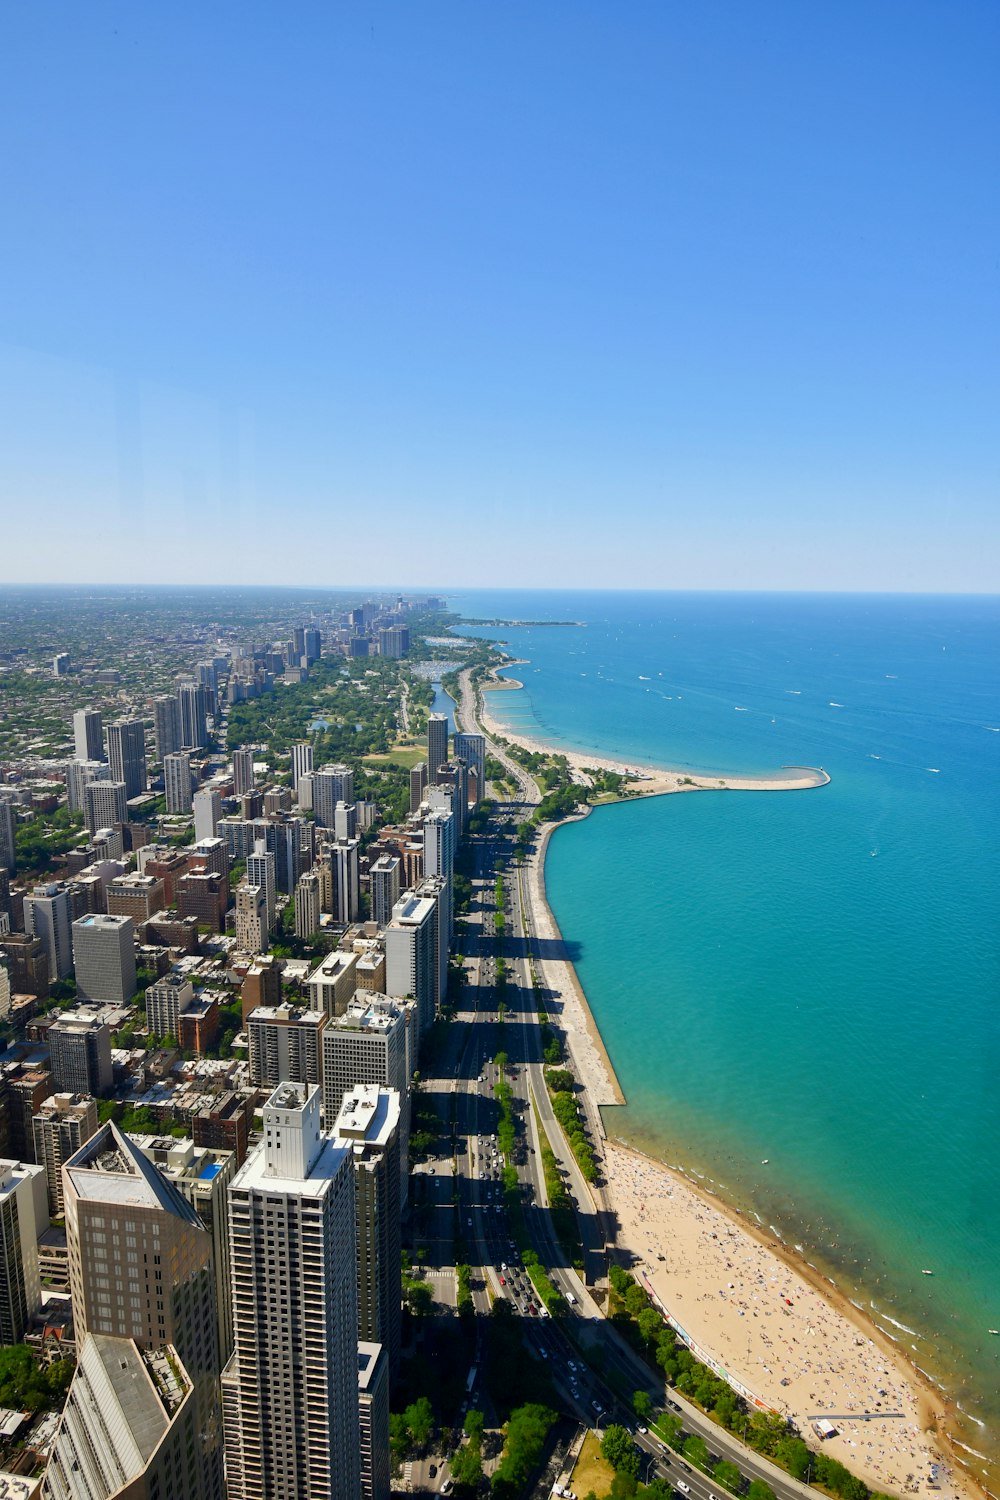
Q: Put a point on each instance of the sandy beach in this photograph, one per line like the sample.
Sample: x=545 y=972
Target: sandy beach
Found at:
x=794 y=1343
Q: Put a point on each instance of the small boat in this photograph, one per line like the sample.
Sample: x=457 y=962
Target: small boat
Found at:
x=994 y=1331
x=927 y=1273
x=765 y=1161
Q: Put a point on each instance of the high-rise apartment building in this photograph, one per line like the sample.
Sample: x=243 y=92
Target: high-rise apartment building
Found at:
x=260 y=871
x=207 y=807
x=410 y=955
x=286 y=1045
x=177 y=781
x=166 y=725
x=104 y=804
x=192 y=706
x=290 y=1392
x=437 y=745
x=166 y=1001
x=330 y=785
x=368 y=1126
x=472 y=749
x=243 y=780
x=332 y=983
x=418 y=784
x=370 y=1043
x=302 y=763
x=312 y=642
x=64 y=1123
x=140 y=1267
x=88 y=734
x=48 y=914
x=345 y=820
x=129 y=1427
x=8 y=849
x=435 y=888
x=104 y=958
x=24 y=1214
x=127 y=755
x=373 y=1420
x=307 y=908
x=384 y=880
x=251 y=919
x=345 y=871
x=80 y=1054
x=79 y=774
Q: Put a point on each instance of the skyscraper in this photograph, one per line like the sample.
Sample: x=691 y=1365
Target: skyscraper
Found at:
x=166 y=725
x=140 y=1267
x=79 y=774
x=345 y=871
x=8 y=856
x=307 y=906
x=260 y=871
x=24 y=1212
x=437 y=745
x=127 y=755
x=88 y=734
x=418 y=784
x=331 y=784
x=104 y=958
x=384 y=879
x=410 y=955
x=80 y=1054
x=207 y=806
x=48 y=914
x=290 y=1392
x=104 y=804
x=368 y=1125
x=251 y=919
x=302 y=763
x=193 y=709
x=64 y=1123
x=472 y=749
x=177 y=781
x=286 y=1045
x=242 y=772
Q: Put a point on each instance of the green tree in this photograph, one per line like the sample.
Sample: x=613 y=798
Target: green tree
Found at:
x=467 y=1466
x=419 y=1417
x=727 y=1474
x=793 y=1455
x=642 y=1405
x=760 y=1491
x=474 y=1425
x=696 y=1451
x=618 y=1449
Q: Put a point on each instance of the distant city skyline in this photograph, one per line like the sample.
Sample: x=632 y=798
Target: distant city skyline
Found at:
x=673 y=299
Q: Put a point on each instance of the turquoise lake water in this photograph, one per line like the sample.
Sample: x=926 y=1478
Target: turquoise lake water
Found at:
x=809 y=977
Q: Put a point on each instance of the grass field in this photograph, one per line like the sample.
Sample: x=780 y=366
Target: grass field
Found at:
x=405 y=755
x=591 y=1472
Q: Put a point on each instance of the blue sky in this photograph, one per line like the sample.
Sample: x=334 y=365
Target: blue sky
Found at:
x=672 y=295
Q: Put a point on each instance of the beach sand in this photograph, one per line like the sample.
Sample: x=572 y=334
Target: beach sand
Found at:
x=745 y=1299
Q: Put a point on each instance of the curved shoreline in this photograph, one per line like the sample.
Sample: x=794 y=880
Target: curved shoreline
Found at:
x=932 y=1434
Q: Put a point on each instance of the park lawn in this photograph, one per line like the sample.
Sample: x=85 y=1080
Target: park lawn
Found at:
x=406 y=756
x=591 y=1471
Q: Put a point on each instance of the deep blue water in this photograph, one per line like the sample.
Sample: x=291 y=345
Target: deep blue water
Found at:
x=809 y=977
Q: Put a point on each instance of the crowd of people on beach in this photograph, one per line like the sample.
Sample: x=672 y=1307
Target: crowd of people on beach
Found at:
x=769 y=1328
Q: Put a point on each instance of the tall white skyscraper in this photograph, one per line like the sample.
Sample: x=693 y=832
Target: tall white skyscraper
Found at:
x=302 y=763
x=260 y=871
x=207 y=805
x=24 y=1211
x=127 y=755
x=48 y=914
x=369 y=1124
x=88 y=734
x=410 y=955
x=330 y=785
x=290 y=1392
x=307 y=906
x=79 y=775
x=177 y=781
